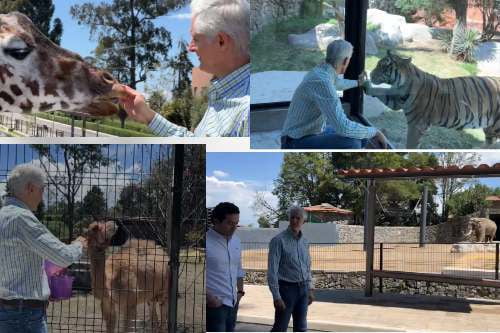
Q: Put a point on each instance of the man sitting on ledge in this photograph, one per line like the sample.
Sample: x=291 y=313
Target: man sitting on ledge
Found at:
x=315 y=104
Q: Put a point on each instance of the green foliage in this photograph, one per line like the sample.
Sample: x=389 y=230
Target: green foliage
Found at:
x=372 y=27
x=182 y=67
x=471 y=68
x=130 y=44
x=199 y=107
x=333 y=21
x=461 y=44
x=178 y=110
x=310 y=179
x=40 y=12
x=469 y=201
x=311 y=8
x=432 y=8
x=94 y=204
x=263 y=222
x=156 y=100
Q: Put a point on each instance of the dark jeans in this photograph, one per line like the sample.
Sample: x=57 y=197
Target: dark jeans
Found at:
x=296 y=298
x=23 y=320
x=221 y=319
x=326 y=140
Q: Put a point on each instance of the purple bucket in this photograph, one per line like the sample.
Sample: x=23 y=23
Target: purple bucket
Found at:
x=61 y=287
x=52 y=269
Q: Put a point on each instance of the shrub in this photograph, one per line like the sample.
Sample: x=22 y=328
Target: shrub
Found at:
x=466 y=41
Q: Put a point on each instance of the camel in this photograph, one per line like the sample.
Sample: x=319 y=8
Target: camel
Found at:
x=138 y=273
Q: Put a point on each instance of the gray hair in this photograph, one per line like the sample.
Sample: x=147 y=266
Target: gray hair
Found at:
x=337 y=51
x=229 y=16
x=21 y=176
x=296 y=210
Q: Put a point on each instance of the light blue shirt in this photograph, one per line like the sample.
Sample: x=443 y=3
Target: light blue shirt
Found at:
x=227 y=112
x=223 y=266
x=288 y=260
x=315 y=103
x=24 y=245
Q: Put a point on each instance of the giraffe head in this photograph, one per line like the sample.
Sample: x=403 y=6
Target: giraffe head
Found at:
x=38 y=75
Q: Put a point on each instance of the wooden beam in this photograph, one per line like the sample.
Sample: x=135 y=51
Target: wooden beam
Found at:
x=370 y=235
x=423 y=216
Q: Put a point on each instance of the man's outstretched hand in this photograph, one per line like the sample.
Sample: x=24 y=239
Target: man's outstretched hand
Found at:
x=134 y=104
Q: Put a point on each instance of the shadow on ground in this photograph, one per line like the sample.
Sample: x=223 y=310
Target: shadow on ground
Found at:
x=420 y=302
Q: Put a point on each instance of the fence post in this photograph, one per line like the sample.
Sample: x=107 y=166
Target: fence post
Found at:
x=370 y=238
x=175 y=236
x=381 y=267
x=496 y=260
x=423 y=216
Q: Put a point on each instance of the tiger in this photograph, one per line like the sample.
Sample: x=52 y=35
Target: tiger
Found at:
x=427 y=100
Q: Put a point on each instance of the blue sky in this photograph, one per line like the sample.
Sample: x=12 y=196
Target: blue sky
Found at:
x=77 y=37
x=236 y=177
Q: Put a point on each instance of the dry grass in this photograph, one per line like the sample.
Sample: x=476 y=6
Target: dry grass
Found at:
x=401 y=257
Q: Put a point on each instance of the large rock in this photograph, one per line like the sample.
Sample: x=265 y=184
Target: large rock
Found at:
x=414 y=32
x=390 y=33
x=306 y=40
x=326 y=33
x=370 y=46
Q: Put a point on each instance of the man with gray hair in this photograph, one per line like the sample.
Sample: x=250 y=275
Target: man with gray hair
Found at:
x=220 y=31
x=315 y=118
x=24 y=245
x=289 y=274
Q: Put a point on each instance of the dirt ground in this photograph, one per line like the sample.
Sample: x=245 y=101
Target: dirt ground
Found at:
x=82 y=313
x=398 y=257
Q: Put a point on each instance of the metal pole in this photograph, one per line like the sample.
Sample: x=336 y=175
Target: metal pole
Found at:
x=381 y=268
x=370 y=240
x=423 y=216
x=496 y=260
x=355 y=33
x=175 y=236
x=84 y=123
x=72 y=126
x=365 y=227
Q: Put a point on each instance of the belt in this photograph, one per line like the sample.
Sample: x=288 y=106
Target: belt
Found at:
x=23 y=303
x=286 y=283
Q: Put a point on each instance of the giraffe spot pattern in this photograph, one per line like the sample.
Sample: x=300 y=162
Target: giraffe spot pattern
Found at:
x=6 y=97
x=15 y=89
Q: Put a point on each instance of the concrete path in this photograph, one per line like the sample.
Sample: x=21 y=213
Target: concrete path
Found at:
x=340 y=310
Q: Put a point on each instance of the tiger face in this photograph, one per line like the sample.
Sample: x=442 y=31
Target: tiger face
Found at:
x=389 y=69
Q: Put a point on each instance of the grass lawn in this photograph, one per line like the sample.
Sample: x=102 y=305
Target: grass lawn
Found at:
x=270 y=51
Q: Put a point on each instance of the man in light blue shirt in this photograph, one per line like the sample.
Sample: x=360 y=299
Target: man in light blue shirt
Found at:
x=24 y=245
x=315 y=106
x=220 y=32
x=289 y=275
x=224 y=270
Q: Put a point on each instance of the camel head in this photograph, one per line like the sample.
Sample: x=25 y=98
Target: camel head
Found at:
x=99 y=234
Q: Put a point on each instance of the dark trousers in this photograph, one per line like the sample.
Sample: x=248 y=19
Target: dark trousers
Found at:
x=296 y=298
x=325 y=140
x=23 y=320
x=221 y=319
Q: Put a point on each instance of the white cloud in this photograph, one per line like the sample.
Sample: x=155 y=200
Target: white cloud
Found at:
x=241 y=193
x=180 y=16
x=220 y=174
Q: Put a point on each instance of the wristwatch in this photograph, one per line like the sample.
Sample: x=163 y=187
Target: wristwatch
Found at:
x=241 y=292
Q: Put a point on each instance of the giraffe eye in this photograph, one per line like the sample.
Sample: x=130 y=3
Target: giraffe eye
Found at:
x=19 y=54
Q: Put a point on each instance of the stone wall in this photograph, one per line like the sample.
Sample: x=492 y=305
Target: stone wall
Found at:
x=356 y=280
x=264 y=12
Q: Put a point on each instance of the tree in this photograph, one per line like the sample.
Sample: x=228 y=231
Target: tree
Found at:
x=432 y=9
x=490 y=10
x=156 y=100
x=263 y=222
x=460 y=8
x=65 y=167
x=40 y=12
x=129 y=43
x=265 y=210
x=450 y=186
x=182 y=67
x=93 y=204
x=179 y=110
x=469 y=201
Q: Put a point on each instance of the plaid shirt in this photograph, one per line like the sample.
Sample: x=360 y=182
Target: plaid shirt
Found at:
x=315 y=103
x=24 y=244
x=227 y=113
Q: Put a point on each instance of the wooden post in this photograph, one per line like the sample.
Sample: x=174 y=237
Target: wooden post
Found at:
x=423 y=216
x=355 y=33
x=72 y=126
x=370 y=238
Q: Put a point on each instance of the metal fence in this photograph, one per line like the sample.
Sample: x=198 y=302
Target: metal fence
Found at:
x=134 y=187
x=481 y=260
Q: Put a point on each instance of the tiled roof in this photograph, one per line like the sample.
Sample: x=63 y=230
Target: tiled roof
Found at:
x=482 y=170
x=493 y=198
x=327 y=208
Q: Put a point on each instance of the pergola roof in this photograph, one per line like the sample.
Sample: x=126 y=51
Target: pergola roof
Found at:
x=467 y=171
x=327 y=208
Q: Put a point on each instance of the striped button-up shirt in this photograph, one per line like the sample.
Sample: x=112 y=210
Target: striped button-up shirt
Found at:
x=288 y=260
x=24 y=244
x=223 y=266
x=315 y=103
x=227 y=113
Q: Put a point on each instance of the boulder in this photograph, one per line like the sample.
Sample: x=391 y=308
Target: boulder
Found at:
x=325 y=34
x=390 y=33
x=370 y=46
x=414 y=32
x=306 y=40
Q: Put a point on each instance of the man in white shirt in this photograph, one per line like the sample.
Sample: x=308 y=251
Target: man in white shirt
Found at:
x=24 y=245
x=224 y=272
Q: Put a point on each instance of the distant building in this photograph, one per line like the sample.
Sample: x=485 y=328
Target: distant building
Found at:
x=328 y=213
x=200 y=81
